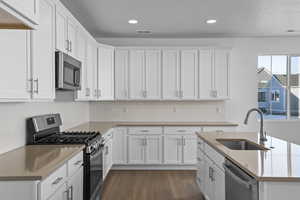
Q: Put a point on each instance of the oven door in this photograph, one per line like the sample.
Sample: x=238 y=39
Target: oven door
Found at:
x=96 y=173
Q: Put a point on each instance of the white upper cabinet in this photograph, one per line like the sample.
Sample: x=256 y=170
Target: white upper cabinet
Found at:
x=221 y=71
x=205 y=73
x=43 y=41
x=170 y=70
x=84 y=93
x=121 y=74
x=23 y=14
x=91 y=64
x=105 y=73
x=65 y=31
x=189 y=74
x=136 y=73
x=152 y=74
x=15 y=80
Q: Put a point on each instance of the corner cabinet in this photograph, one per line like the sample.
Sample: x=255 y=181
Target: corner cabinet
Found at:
x=105 y=77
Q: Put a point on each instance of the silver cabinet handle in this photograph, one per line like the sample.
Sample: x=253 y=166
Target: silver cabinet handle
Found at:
x=30 y=85
x=57 y=180
x=106 y=150
x=70 y=46
x=145 y=131
x=67 y=45
x=95 y=93
x=181 y=131
x=183 y=141
x=99 y=93
x=214 y=93
x=87 y=92
x=70 y=193
x=179 y=141
x=181 y=93
x=37 y=85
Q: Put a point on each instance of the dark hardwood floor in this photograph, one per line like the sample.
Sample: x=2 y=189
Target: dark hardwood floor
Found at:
x=151 y=185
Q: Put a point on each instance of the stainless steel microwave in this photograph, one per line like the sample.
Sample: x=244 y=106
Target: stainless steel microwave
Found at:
x=67 y=71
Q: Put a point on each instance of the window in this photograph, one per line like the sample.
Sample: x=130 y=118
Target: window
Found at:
x=275 y=95
x=262 y=97
x=279 y=86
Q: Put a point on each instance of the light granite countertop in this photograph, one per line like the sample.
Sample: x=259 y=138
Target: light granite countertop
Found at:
x=103 y=127
x=280 y=163
x=35 y=162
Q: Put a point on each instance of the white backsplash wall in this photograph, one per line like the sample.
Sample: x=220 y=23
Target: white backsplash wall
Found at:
x=157 y=111
x=13 y=115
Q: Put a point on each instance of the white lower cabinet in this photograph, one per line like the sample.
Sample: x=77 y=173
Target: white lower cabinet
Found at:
x=107 y=153
x=75 y=184
x=210 y=174
x=172 y=149
x=136 y=149
x=60 y=194
x=119 y=146
x=189 y=149
x=144 y=149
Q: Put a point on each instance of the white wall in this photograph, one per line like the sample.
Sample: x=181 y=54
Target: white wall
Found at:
x=243 y=86
x=13 y=115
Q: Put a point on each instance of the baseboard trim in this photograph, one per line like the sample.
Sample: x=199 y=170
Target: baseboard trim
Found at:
x=154 y=167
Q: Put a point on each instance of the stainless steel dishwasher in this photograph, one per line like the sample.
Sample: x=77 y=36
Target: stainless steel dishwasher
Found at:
x=238 y=184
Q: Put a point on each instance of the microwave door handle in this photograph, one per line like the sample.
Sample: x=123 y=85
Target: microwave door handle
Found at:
x=238 y=179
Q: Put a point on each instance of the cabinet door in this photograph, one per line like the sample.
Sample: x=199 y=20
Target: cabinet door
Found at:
x=221 y=71
x=29 y=8
x=76 y=185
x=106 y=73
x=189 y=74
x=61 y=31
x=136 y=149
x=43 y=41
x=218 y=177
x=153 y=150
x=136 y=74
x=84 y=93
x=60 y=194
x=201 y=171
x=119 y=146
x=189 y=149
x=172 y=149
x=91 y=60
x=205 y=73
x=170 y=65
x=153 y=74
x=121 y=74
x=209 y=187
x=72 y=29
x=15 y=65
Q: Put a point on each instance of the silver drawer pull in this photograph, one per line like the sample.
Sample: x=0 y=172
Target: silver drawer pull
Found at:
x=78 y=162
x=145 y=131
x=181 y=131
x=57 y=180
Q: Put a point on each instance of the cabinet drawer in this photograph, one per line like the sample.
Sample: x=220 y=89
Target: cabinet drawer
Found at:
x=216 y=157
x=145 y=130
x=75 y=163
x=219 y=129
x=53 y=182
x=180 y=130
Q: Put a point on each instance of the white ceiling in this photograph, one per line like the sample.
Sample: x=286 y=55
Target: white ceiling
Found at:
x=186 y=18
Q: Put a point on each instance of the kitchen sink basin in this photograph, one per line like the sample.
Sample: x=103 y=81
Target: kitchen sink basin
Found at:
x=241 y=144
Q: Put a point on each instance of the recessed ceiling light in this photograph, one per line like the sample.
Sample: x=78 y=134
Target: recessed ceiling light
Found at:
x=211 y=21
x=133 y=21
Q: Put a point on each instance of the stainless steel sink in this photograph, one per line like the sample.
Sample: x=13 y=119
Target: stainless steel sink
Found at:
x=241 y=144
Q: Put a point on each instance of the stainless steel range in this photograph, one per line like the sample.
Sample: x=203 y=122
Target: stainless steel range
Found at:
x=45 y=129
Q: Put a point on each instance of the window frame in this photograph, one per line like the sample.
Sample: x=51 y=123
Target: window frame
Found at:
x=288 y=86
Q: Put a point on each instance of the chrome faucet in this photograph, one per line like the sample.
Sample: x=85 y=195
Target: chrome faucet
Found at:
x=263 y=136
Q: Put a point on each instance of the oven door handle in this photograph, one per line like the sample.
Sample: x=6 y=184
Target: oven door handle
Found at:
x=247 y=184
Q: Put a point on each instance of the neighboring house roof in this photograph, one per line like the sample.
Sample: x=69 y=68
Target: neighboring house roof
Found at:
x=264 y=77
x=294 y=79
